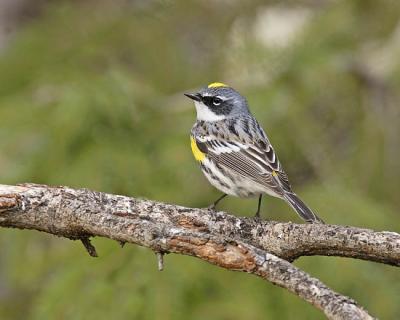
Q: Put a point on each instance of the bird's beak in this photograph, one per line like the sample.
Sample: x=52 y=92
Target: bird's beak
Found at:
x=193 y=96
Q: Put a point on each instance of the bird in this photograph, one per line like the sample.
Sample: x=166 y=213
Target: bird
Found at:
x=235 y=153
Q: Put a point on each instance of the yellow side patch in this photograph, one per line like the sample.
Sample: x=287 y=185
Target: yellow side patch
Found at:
x=274 y=174
x=217 y=85
x=198 y=155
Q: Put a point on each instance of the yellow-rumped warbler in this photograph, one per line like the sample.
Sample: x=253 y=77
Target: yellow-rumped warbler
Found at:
x=234 y=152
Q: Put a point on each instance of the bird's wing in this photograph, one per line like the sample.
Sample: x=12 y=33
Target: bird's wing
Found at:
x=256 y=160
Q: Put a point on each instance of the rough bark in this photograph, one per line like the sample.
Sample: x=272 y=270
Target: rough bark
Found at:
x=258 y=247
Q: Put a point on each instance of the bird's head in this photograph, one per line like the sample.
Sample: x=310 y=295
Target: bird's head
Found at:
x=218 y=101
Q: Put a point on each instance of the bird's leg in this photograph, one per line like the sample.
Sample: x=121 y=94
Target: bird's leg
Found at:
x=212 y=207
x=259 y=207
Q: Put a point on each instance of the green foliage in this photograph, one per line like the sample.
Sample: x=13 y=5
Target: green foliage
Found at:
x=91 y=96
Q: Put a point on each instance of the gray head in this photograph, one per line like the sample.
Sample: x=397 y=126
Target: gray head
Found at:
x=217 y=101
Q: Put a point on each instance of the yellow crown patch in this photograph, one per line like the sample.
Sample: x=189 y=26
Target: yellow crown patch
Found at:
x=217 y=85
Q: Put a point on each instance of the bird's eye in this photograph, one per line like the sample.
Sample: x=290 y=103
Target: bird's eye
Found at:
x=216 y=101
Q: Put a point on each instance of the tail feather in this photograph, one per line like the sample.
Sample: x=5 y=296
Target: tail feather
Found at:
x=301 y=208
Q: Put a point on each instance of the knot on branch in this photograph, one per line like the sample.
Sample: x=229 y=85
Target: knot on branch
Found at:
x=8 y=202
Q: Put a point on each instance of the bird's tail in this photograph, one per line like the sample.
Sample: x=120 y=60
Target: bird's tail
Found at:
x=301 y=208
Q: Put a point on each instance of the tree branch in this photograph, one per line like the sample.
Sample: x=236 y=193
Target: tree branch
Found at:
x=291 y=241
x=239 y=244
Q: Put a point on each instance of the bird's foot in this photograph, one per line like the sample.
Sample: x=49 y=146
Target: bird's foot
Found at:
x=257 y=217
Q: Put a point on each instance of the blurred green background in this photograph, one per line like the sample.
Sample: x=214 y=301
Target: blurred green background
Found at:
x=91 y=96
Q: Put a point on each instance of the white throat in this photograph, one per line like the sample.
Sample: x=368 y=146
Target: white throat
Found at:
x=205 y=114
